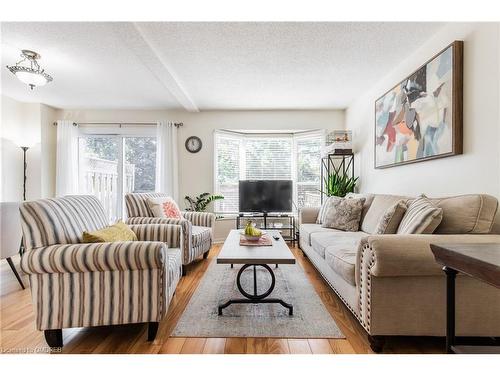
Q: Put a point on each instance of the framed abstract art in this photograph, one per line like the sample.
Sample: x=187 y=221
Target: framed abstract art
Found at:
x=421 y=117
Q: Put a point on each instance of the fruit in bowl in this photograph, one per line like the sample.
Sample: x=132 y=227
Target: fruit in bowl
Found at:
x=251 y=233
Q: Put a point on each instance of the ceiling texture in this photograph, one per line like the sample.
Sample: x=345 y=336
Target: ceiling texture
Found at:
x=207 y=65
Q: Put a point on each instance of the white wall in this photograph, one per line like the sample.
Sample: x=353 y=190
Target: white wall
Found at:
x=48 y=116
x=196 y=170
x=20 y=126
x=478 y=169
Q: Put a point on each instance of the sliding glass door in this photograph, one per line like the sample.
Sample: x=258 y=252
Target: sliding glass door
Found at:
x=112 y=165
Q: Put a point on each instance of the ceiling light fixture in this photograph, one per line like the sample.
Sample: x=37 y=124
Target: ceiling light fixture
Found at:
x=30 y=73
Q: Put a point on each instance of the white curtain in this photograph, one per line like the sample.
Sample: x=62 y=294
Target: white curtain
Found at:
x=166 y=159
x=67 y=158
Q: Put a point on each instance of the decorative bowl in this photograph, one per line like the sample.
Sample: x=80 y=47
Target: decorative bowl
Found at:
x=252 y=238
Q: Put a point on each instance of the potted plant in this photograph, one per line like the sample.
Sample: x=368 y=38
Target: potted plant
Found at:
x=339 y=185
x=200 y=202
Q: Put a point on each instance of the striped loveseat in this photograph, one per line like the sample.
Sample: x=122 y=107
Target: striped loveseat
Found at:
x=197 y=227
x=77 y=284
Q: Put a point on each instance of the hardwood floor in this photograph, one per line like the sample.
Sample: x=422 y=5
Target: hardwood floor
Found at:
x=18 y=333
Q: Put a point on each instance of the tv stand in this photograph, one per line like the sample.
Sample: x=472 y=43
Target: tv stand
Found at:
x=266 y=221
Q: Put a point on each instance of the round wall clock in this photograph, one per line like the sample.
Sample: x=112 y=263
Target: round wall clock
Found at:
x=193 y=144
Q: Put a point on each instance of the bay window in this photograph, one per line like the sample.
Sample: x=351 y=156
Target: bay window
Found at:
x=253 y=156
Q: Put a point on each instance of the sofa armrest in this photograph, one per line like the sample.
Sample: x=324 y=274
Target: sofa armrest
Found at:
x=407 y=255
x=186 y=225
x=95 y=257
x=154 y=220
x=201 y=219
x=308 y=215
x=170 y=234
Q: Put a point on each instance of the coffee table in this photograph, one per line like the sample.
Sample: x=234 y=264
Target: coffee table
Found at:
x=255 y=256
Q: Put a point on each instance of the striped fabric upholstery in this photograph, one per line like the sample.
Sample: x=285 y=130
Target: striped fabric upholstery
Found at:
x=81 y=285
x=137 y=205
x=95 y=257
x=174 y=270
x=201 y=219
x=200 y=235
x=87 y=299
x=169 y=234
x=422 y=216
x=202 y=248
x=60 y=220
x=138 y=212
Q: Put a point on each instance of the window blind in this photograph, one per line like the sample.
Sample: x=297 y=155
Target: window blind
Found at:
x=308 y=156
x=268 y=158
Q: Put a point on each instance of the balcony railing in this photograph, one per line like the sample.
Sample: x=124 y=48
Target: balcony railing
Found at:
x=99 y=177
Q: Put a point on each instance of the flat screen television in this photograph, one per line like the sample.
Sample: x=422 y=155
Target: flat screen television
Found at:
x=265 y=196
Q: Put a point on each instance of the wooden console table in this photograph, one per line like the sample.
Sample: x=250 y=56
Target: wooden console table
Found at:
x=480 y=261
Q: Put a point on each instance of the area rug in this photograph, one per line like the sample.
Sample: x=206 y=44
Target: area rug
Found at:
x=310 y=318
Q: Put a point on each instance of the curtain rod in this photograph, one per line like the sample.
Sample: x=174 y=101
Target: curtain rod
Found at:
x=176 y=124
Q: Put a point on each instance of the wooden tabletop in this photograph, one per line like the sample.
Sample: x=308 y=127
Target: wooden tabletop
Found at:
x=481 y=261
x=233 y=253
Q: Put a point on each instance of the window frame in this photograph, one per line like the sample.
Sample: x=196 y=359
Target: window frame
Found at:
x=301 y=136
x=119 y=133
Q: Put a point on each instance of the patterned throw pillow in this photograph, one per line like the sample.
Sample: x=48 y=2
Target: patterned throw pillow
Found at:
x=164 y=207
x=390 y=220
x=114 y=233
x=422 y=216
x=343 y=213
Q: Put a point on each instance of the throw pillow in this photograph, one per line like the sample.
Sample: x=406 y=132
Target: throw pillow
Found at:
x=368 y=202
x=390 y=220
x=164 y=207
x=343 y=213
x=114 y=233
x=321 y=213
x=422 y=216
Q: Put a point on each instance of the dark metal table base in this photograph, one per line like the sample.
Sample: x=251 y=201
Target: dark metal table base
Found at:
x=255 y=297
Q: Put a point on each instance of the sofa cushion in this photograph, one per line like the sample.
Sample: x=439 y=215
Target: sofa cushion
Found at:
x=378 y=207
x=200 y=235
x=307 y=229
x=389 y=223
x=473 y=213
x=343 y=213
x=366 y=205
x=421 y=217
x=321 y=240
x=341 y=258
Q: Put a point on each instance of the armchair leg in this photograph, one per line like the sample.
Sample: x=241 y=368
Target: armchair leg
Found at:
x=184 y=271
x=376 y=343
x=13 y=267
x=205 y=255
x=54 y=338
x=152 y=330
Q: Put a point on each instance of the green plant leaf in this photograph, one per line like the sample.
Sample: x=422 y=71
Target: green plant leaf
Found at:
x=200 y=202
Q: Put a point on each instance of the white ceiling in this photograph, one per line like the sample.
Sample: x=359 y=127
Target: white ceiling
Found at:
x=204 y=66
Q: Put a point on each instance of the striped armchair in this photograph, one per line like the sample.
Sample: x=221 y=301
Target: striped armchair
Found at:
x=77 y=284
x=197 y=227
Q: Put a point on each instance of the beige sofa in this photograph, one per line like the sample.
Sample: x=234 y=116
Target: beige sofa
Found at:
x=392 y=284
